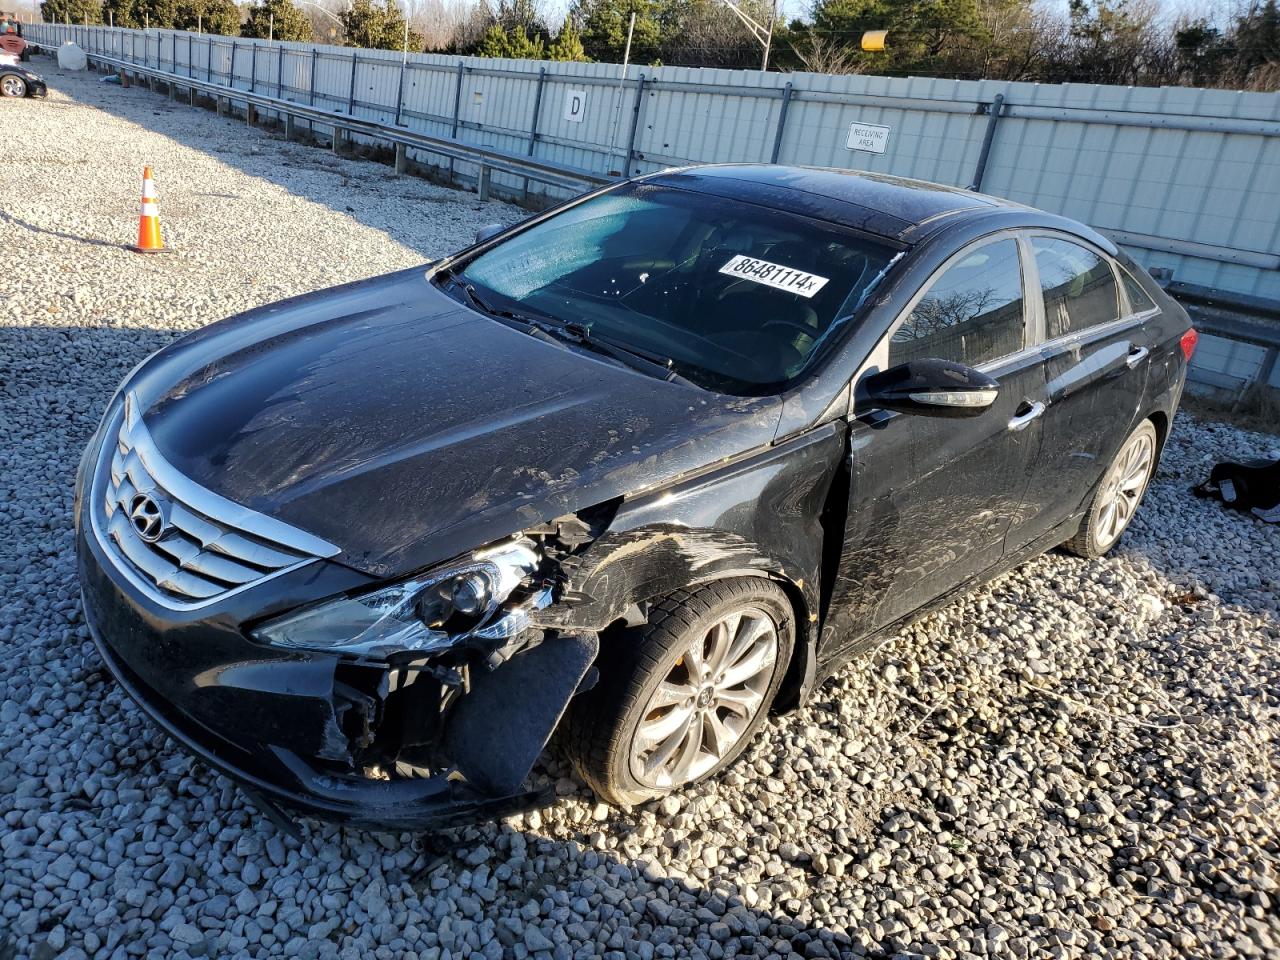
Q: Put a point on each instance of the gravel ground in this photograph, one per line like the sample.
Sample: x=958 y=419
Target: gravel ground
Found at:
x=1079 y=759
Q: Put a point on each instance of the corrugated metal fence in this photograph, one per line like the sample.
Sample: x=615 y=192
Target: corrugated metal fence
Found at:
x=1187 y=179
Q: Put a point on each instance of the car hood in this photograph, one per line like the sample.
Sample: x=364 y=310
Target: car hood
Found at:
x=406 y=428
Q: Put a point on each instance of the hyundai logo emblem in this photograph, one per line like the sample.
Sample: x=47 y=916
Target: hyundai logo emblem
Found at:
x=147 y=517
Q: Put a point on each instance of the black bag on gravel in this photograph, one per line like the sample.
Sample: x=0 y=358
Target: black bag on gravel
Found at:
x=1251 y=487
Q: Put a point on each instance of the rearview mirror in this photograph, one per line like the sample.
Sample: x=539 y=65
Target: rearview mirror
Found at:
x=937 y=388
x=488 y=230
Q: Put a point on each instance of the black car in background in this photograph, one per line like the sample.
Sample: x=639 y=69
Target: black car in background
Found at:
x=644 y=467
x=18 y=81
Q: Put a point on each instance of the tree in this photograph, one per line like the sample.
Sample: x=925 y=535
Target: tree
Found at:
x=1017 y=38
x=1108 y=41
x=1257 y=37
x=71 y=11
x=122 y=13
x=278 y=19
x=819 y=53
x=211 y=16
x=604 y=29
x=567 y=45
x=708 y=33
x=521 y=15
x=514 y=43
x=924 y=35
x=377 y=25
x=156 y=13
x=1203 y=52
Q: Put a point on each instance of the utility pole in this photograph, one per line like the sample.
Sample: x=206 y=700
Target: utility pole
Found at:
x=763 y=34
x=768 y=40
x=271 y=27
x=622 y=79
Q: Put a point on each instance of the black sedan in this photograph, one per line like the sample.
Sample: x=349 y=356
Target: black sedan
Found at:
x=18 y=81
x=640 y=469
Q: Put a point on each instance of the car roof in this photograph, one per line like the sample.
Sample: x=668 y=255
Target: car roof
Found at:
x=892 y=207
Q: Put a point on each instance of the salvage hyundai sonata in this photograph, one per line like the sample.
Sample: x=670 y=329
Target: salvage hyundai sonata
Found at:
x=640 y=469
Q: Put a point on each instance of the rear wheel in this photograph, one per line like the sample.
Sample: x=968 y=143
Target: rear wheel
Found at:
x=1118 y=494
x=11 y=85
x=680 y=698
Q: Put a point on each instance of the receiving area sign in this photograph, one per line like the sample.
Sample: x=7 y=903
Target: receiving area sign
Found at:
x=868 y=137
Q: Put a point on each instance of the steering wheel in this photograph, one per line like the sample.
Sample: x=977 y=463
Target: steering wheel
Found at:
x=796 y=325
x=677 y=333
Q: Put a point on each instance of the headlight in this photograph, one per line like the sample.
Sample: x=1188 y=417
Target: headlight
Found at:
x=425 y=614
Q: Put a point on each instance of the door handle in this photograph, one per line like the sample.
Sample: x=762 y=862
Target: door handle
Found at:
x=1022 y=420
x=1136 y=356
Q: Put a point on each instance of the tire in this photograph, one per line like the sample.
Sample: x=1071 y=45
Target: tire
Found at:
x=12 y=85
x=605 y=723
x=1121 y=488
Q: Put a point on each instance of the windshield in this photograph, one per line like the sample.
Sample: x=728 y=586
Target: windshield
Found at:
x=736 y=297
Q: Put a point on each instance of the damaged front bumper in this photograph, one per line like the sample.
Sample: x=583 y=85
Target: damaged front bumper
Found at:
x=400 y=746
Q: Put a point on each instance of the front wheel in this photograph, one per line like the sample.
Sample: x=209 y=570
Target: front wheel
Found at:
x=1118 y=494
x=12 y=85
x=680 y=698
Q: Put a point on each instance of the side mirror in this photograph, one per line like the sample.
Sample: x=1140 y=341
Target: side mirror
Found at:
x=936 y=388
x=488 y=230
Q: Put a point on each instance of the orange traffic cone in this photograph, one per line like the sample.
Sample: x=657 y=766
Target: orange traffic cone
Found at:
x=149 y=223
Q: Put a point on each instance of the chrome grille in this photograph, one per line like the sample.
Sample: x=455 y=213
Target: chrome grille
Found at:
x=203 y=546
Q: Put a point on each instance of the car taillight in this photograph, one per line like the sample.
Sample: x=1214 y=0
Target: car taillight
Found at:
x=1188 y=343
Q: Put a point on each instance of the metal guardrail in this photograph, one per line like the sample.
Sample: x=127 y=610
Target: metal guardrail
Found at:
x=154 y=50
x=1236 y=317
x=345 y=126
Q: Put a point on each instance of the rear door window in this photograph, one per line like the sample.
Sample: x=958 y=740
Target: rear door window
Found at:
x=1078 y=285
x=972 y=313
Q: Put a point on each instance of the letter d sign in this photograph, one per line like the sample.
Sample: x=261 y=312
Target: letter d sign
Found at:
x=575 y=106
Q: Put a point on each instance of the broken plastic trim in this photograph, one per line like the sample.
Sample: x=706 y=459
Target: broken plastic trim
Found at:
x=411 y=720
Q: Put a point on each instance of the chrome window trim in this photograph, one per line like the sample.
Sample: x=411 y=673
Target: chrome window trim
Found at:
x=1097 y=332
x=198 y=498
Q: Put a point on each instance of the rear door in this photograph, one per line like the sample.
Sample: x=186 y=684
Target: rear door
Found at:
x=1096 y=349
x=932 y=498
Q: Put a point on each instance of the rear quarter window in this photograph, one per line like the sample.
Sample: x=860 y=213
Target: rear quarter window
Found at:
x=1139 y=300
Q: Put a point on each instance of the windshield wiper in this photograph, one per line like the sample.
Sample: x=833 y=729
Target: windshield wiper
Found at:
x=517 y=321
x=652 y=363
x=558 y=331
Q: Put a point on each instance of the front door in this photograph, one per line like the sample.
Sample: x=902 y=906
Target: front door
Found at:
x=932 y=498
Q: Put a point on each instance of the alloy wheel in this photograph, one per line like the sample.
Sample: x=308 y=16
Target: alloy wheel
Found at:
x=707 y=701
x=12 y=86
x=1123 y=488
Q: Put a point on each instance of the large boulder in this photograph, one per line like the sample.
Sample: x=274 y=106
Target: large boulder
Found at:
x=71 y=57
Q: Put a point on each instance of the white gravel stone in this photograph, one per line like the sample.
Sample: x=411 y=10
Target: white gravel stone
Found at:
x=1077 y=760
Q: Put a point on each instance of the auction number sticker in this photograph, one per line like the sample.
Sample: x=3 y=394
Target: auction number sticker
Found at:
x=774 y=275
